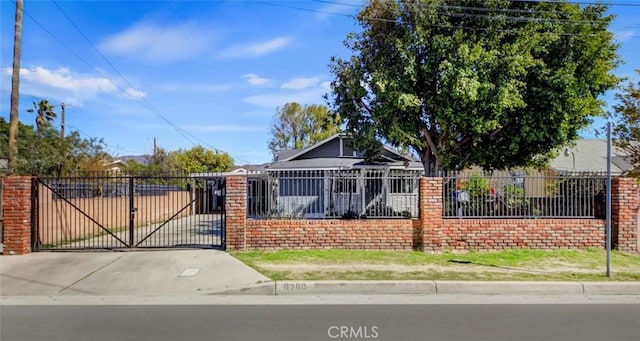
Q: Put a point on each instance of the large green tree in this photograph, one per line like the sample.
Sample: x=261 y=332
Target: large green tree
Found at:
x=626 y=133
x=199 y=159
x=298 y=126
x=160 y=162
x=44 y=153
x=494 y=83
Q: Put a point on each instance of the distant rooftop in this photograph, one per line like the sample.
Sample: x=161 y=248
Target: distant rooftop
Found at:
x=591 y=155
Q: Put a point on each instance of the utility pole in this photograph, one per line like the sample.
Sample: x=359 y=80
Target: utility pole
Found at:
x=15 y=82
x=155 y=146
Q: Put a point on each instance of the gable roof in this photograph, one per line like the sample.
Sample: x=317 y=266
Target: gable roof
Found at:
x=285 y=154
x=292 y=154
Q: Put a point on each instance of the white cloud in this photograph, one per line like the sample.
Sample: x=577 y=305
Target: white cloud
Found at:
x=309 y=90
x=62 y=84
x=160 y=44
x=135 y=93
x=256 y=49
x=253 y=79
x=273 y=100
x=63 y=79
x=622 y=36
x=300 y=83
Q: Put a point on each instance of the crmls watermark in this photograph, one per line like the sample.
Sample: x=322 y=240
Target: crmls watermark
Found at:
x=353 y=332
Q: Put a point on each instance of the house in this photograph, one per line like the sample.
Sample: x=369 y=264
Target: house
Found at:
x=590 y=155
x=114 y=167
x=332 y=179
x=579 y=171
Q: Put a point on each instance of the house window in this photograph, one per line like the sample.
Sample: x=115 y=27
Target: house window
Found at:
x=403 y=182
x=346 y=186
x=299 y=184
x=402 y=185
x=346 y=148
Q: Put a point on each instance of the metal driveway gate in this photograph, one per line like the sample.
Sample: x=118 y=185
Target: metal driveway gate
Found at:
x=116 y=212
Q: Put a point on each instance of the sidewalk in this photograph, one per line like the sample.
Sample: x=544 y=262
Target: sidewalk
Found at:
x=139 y=273
x=213 y=272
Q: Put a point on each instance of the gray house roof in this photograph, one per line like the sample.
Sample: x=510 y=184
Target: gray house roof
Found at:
x=335 y=153
x=338 y=163
x=591 y=155
x=286 y=153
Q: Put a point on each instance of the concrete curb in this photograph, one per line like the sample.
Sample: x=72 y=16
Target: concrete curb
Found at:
x=509 y=288
x=611 y=288
x=437 y=288
x=355 y=287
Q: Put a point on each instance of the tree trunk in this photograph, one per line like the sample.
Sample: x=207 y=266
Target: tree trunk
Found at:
x=15 y=85
x=425 y=158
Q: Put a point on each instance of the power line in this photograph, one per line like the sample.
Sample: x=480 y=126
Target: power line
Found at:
x=487 y=9
x=148 y=106
x=145 y=103
x=609 y=3
x=435 y=25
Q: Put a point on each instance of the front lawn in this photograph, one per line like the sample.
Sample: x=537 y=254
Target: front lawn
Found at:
x=518 y=264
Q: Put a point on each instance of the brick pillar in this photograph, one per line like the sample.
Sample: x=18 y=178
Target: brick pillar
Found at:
x=16 y=212
x=624 y=214
x=431 y=212
x=236 y=211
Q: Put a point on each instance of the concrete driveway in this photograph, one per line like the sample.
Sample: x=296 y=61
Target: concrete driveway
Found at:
x=139 y=273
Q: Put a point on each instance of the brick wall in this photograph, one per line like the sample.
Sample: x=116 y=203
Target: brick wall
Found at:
x=624 y=213
x=376 y=234
x=236 y=211
x=492 y=234
x=303 y=234
x=432 y=232
x=16 y=208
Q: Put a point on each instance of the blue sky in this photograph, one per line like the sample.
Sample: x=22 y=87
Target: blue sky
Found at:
x=193 y=72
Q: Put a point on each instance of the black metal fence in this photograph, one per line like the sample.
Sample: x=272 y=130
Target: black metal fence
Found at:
x=324 y=194
x=110 y=212
x=521 y=195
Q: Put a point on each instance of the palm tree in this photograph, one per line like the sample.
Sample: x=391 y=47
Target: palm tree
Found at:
x=15 y=85
x=45 y=114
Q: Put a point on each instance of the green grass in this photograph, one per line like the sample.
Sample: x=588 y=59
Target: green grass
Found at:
x=451 y=276
x=516 y=264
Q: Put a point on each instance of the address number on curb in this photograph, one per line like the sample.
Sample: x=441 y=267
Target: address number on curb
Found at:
x=294 y=286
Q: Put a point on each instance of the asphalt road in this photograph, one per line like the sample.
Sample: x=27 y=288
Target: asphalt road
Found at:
x=321 y=322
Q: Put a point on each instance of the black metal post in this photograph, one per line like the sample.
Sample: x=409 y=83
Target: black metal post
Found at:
x=35 y=232
x=608 y=202
x=132 y=211
x=223 y=216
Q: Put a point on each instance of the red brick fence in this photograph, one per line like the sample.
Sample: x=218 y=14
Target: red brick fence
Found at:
x=431 y=231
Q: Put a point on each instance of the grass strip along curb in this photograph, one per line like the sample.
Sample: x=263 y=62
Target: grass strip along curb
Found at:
x=508 y=265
